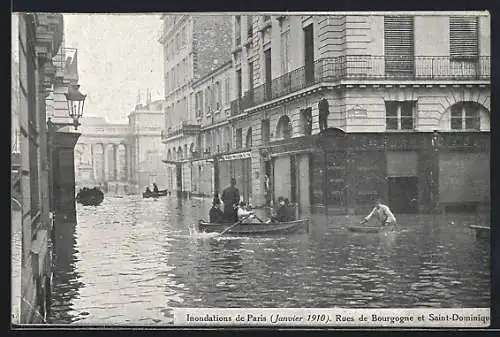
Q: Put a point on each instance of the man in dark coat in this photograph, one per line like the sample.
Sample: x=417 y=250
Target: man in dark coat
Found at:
x=323 y=108
x=230 y=198
x=216 y=214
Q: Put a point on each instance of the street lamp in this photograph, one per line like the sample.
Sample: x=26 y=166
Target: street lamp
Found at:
x=76 y=101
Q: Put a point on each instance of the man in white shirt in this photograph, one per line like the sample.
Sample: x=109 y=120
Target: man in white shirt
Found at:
x=243 y=213
x=382 y=213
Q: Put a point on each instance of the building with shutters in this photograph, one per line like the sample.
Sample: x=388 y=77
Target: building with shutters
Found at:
x=194 y=47
x=409 y=100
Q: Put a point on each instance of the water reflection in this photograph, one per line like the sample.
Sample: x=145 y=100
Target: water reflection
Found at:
x=137 y=260
x=66 y=279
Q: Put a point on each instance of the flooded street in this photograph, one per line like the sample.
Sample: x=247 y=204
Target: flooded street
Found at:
x=131 y=260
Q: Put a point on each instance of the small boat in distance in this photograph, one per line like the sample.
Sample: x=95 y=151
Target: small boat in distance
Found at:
x=90 y=196
x=160 y=193
x=255 y=228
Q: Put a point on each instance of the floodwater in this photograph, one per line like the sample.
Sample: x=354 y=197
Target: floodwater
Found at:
x=131 y=260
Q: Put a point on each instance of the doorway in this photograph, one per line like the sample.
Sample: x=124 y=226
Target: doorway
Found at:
x=403 y=194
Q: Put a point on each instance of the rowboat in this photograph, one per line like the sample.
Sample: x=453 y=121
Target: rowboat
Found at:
x=160 y=193
x=90 y=196
x=482 y=232
x=255 y=228
x=368 y=229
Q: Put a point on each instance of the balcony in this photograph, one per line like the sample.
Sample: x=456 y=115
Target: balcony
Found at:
x=184 y=128
x=366 y=68
x=66 y=64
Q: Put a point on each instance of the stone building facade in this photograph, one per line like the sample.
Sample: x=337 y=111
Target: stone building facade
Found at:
x=37 y=40
x=389 y=80
x=122 y=158
x=194 y=46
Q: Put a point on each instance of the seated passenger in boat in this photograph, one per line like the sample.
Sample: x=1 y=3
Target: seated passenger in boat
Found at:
x=281 y=213
x=216 y=214
x=244 y=215
x=148 y=190
x=382 y=213
x=289 y=210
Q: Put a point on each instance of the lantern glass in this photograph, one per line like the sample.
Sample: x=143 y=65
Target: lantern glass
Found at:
x=76 y=101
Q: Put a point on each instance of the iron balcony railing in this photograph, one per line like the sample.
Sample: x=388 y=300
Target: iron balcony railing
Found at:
x=66 y=63
x=425 y=68
x=184 y=128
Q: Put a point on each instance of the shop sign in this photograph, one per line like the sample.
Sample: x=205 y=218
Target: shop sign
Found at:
x=357 y=112
x=235 y=156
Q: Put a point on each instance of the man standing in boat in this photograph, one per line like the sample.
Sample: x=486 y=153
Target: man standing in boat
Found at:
x=382 y=213
x=230 y=198
x=155 y=188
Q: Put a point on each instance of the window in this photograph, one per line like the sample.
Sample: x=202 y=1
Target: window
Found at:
x=248 y=142
x=177 y=43
x=464 y=38
x=266 y=128
x=237 y=30
x=400 y=115
x=285 y=30
x=399 y=44
x=207 y=101
x=465 y=116
x=250 y=25
x=238 y=83
x=183 y=37
x=239 y=138
x=227 y=90
x=198 y=103
x=267 y=18
x=218 y=99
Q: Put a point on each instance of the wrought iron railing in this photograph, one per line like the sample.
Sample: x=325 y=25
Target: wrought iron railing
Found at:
x=185 y=128
x=65 y=62
x=366 y=68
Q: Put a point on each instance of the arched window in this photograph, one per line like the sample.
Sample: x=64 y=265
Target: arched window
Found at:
x=169 y=155
x=284 y=128
x=248 y=141
x=465 y=116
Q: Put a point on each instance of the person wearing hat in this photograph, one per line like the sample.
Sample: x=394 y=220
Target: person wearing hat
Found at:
x=323 y=114
x=216 y=214
x=231 y=199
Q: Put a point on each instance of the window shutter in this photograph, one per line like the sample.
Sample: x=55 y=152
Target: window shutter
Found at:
x=399 y=44
x=463 y=37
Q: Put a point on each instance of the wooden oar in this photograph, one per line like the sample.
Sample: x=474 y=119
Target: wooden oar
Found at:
x=233 y=225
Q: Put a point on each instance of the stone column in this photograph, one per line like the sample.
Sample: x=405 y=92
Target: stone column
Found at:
x=106 y=162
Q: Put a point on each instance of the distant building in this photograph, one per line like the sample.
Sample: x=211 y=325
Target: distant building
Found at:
x=194 y=46
x=122 y=158
x=146 y=123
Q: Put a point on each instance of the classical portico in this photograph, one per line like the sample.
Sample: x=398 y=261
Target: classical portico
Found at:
x=102 y=155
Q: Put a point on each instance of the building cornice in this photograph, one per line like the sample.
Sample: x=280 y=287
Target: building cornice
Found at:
x=49 y=34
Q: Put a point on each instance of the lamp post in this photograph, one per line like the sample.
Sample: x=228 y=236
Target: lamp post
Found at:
x=76 y=101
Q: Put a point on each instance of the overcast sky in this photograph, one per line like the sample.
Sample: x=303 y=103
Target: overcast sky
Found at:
x=118 y=55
